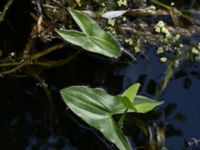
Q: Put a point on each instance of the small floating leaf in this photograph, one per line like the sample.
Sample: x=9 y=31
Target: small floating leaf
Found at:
x=195 y=51
x=163 y=59
x=121 y=2
x=111 y=22
x=160 y=50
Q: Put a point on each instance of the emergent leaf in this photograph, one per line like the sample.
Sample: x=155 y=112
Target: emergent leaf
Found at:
x=141 y=103
x=85 y=23
x=93 y=106
x=131 y=92
x=93 y=38
x=92 y=44
x=96 y=107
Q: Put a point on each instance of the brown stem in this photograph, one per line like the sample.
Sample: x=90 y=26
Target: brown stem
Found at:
x=45 y=52
x=29 y=60
x=7 y=6
x=47 y=63
x=30 y=43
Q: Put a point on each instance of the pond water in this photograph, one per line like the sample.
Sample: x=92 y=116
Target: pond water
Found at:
x=24 y=112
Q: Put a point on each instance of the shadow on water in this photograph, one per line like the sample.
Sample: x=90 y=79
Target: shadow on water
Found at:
x=23 y=104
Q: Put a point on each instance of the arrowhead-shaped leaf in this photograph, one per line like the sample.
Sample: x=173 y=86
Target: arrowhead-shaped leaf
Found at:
x=96 y=107
x=93 y=106
x=93 y=38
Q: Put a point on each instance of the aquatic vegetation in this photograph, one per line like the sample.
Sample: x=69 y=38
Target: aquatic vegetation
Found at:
x=159 y=50
x=196 y=50
x=137 y=46
x=96 y=107
x=129 y=41
x=93 y=38
x=163 y=59
x=122 y=3
x=160 y=28
x=111 y=22
x=160 y=38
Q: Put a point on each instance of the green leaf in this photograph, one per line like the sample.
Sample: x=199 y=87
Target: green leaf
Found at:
x=93 y=38
x=76 y=38
x=128 y=96
x=141 y=103
x=131 y=92
x=86 y=24
x=127 y=103
x=94 y=107
x=91 y=28
x=144 y=104
x=92 y=44
x=107 y=46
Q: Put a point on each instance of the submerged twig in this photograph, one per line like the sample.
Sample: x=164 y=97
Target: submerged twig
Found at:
x=173 y=11
x=48 y=50
x=30 y=59
x=30 y=42
x=129 y=54
x=44 y=86
x=6 y=7
x=47 y=63
x=56 y=63
x=9 y=64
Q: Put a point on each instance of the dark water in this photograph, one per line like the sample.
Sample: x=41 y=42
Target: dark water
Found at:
x=181 y=96
x=24 y=121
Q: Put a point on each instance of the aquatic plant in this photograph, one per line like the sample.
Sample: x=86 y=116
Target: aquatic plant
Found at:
x=97 y=108
x=92 y=38
x=101 y=106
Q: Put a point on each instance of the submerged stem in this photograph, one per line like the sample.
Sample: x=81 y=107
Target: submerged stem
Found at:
x=29 y=60
x=7 y=6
